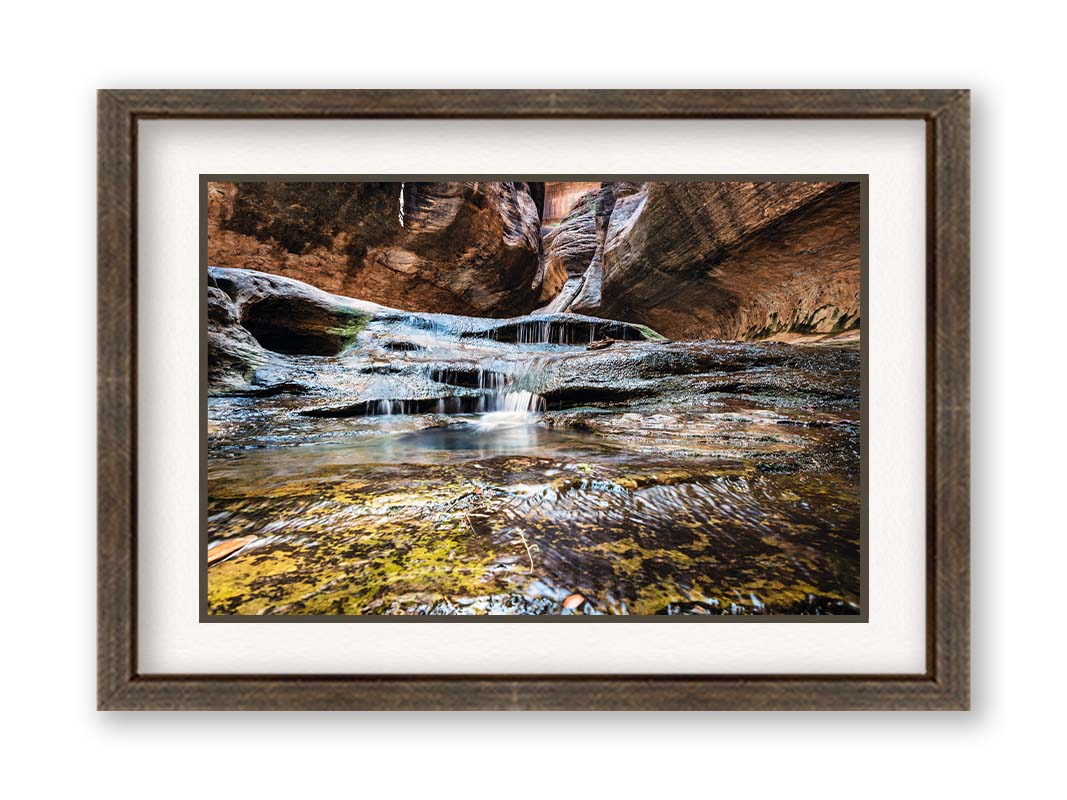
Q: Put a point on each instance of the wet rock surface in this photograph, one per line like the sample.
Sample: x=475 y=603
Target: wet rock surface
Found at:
x=443 y=465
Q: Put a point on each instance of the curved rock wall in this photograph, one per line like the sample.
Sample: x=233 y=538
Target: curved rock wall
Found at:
x=726 y=260
x=470 y=248
x=568 y=249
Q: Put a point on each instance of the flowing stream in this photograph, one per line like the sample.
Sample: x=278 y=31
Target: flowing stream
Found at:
x=542 y=467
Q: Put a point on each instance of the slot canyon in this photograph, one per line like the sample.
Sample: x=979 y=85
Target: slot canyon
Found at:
x=575 y=398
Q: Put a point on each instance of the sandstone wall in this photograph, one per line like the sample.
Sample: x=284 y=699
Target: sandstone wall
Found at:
x=728 y=260
x=560 y=198
x=464 y=248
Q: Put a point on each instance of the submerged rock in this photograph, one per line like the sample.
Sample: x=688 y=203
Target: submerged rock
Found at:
x=573 y=601
x=641 y=536
x=227 y=547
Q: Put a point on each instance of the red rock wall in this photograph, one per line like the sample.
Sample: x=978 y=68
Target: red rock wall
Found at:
x=729 y=260
x=560 y=198
x=733 y=260
x=461 y=248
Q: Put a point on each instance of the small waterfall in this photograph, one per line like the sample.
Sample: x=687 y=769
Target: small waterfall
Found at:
x=498 y=392
x=559 y=331
x=499 y=404
x=519 y=403
x=386 y=408
x=500 y=397
x=546 y=332
x=511 y=408
x=400 y=213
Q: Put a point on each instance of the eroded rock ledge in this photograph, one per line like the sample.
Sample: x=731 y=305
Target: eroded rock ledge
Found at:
x=262 y=326
x=272 y=336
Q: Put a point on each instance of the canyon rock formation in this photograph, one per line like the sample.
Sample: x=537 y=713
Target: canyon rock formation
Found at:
x=470 y=248
x=722 y=260
x=569 y=248
x=561 y=197
x=262 y=326
x=727 y=260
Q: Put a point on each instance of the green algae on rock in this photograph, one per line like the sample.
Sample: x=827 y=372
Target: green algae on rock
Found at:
x=643 y=536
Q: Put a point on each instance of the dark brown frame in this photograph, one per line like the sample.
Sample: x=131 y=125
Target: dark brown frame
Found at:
x=946 y=682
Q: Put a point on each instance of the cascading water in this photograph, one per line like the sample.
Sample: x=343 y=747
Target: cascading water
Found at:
x=558 y=330
x=501 y=396
x=507 y=376
x=495 y=505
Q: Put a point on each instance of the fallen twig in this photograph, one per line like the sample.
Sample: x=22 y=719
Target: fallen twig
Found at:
x=529 y=554
x=522 y=538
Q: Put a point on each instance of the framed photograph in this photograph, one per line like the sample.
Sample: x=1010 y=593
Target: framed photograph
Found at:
x=533 y=400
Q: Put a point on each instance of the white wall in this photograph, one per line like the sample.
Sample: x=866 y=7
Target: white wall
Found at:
x=54 y=59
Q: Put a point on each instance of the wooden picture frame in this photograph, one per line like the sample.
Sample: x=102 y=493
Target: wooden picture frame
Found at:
x=945 y=684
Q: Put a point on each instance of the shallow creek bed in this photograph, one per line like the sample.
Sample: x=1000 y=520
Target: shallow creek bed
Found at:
x=445 y=465
x=726 y=506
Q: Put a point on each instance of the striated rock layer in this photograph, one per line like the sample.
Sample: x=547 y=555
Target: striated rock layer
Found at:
x=568 y=250
x=723 y=260
x=726 y=260
x=469 y=248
